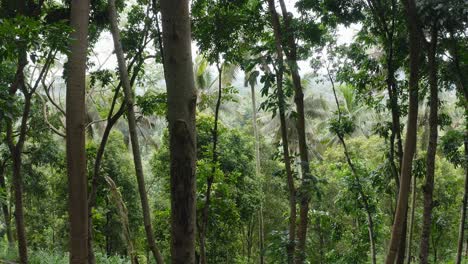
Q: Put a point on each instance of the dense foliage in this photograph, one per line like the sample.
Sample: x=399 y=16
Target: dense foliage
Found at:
x=352 y=60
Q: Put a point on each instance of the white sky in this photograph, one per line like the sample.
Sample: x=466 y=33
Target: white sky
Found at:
x=104 y=58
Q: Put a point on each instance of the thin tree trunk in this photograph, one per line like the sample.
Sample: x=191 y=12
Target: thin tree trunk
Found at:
x=257 y=165
x=94 y=181
x=210 y=180
x=132 y=127
x=411 y=133
x=461 y=230
x=365 y=201
x=123 y=214
x=111 y=121
x=6 y=212
x=431 y=149
x=255 y=130
x=411 y=225
x=75 y=131
x=181 y=99
x=461 y=86
x=291 y=247
x=261 y=235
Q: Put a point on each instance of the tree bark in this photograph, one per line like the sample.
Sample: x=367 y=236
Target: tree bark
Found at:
x=461 y=87
x=291 y=246
x=132 y=127
x=411 y=225
x=255 y=130
x=181 y=99
x=6 y=212
x=290 y=50
x=257 y=168
x=461 y=230
x=411 y=132
x=75 y=131
x=431 y=149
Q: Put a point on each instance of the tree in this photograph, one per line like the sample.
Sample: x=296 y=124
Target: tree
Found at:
x=432 y=146
x=75 y=131
x=290 y=49
x=132 y=127
x=291 y=246
x=411 y=131
x=181 y=101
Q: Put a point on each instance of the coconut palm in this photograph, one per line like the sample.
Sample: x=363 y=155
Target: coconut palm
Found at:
x=315 y=109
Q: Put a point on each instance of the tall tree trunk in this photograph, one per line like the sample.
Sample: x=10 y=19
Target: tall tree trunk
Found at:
x=290 y=50
x=411 y=133
x=365 y=201
x=16 y=149
x=255 y=130
x=210 y=180
x=75 y=130
x=463 y=91
x=291 y=246
x=461 y=230
x=132 y=127
x=411 y=225
x=257 y=167
x=261 y=234
x=400 y=258
x=6 y=212
x=431 y=149
x=181 y=100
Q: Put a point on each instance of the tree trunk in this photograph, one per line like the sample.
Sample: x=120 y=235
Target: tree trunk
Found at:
x=111 y=121
x=210 y=180
x=400 y=258
x=461 y=230
x=19 y=213
x=290 y=50
x=255 y=130
x=431 y=149
x=261 y=235
x=365 y=201
x=132 y=127
x=75 y=130
x=181 y=100
x=411 y=226
x=411 y=133
x=257 y=166
x=6 y=212
x=291 y=246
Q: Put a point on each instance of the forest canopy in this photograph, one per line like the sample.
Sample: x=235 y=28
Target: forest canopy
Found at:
x=237 y=132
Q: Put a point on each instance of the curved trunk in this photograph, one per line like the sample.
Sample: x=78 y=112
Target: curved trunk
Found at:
x=132 y=127
x=365 y=201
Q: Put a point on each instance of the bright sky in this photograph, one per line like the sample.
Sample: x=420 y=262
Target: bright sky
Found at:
x=103 y=52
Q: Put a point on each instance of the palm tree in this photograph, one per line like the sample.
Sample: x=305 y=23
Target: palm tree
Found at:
x=315 y=110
